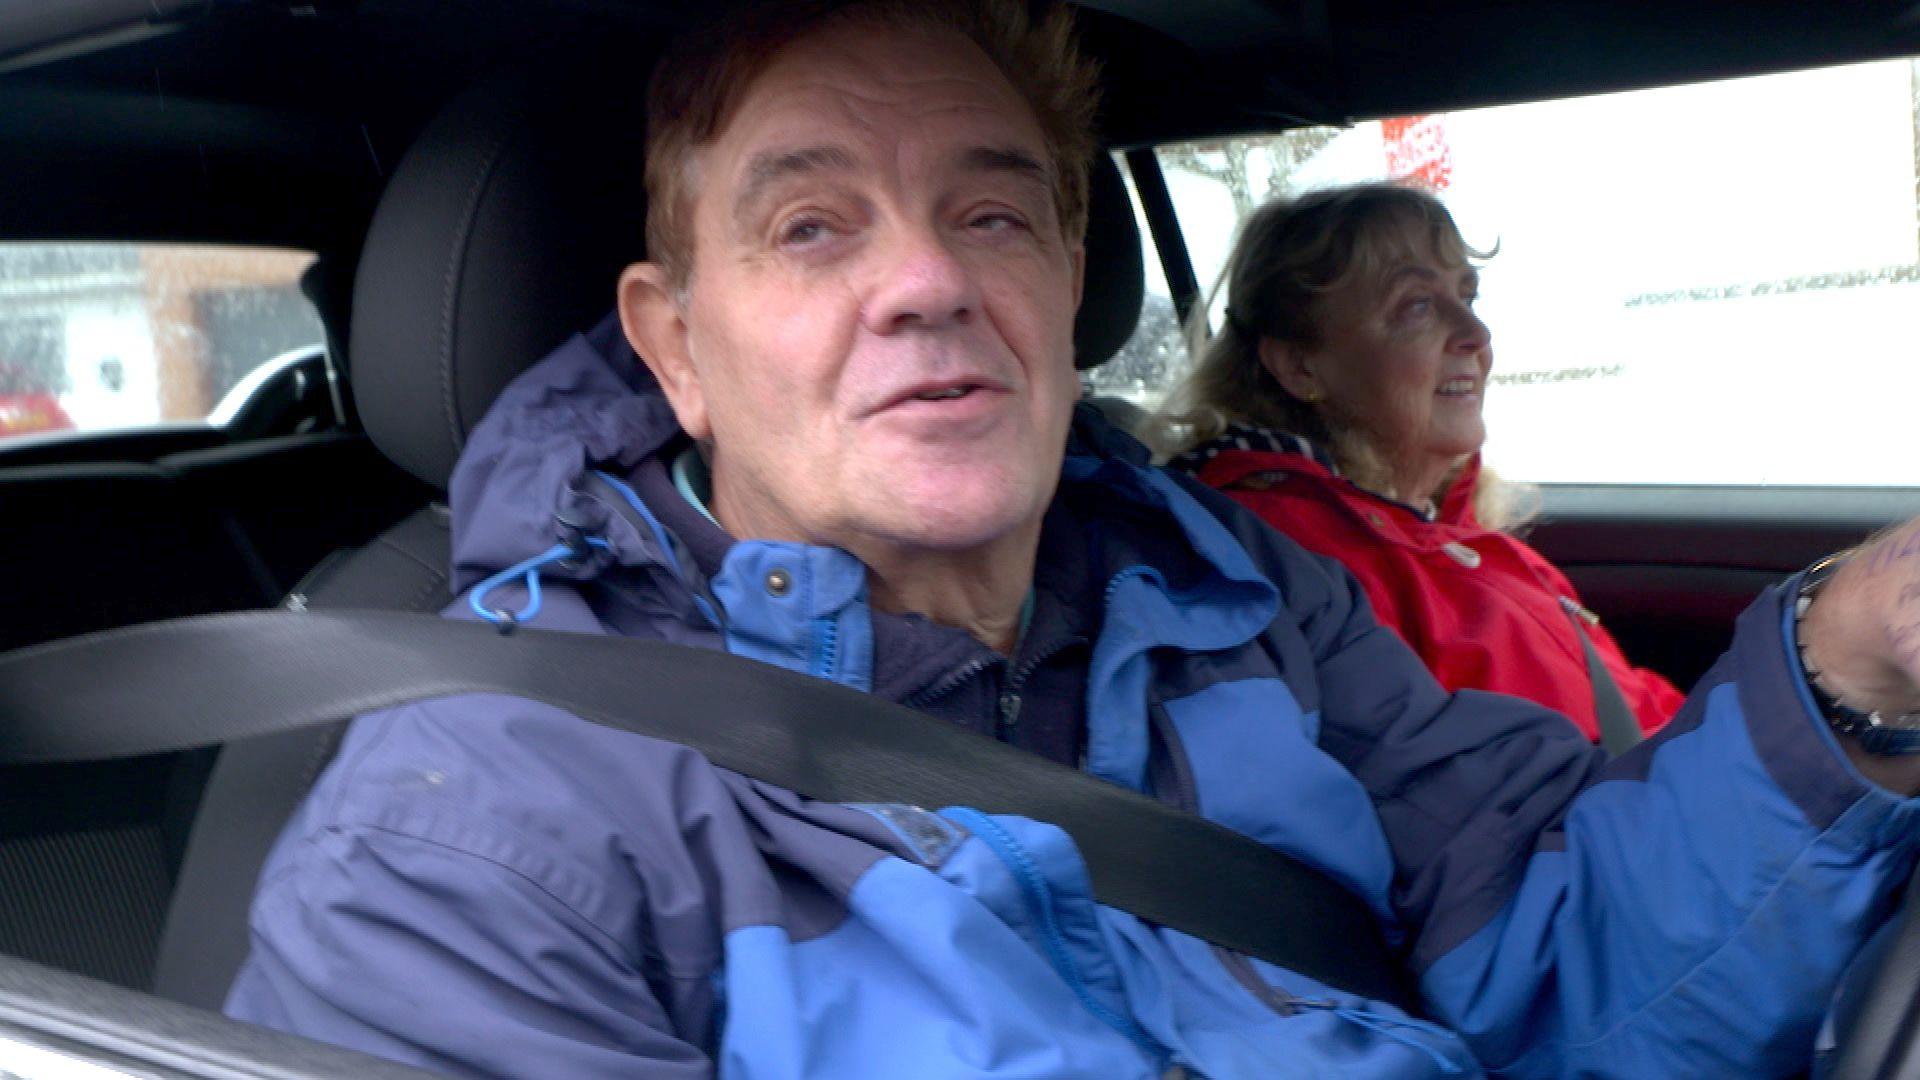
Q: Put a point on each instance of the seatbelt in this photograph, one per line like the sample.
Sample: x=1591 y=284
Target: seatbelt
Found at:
x=207 y=680
x=1619 y=728
x=257 y=784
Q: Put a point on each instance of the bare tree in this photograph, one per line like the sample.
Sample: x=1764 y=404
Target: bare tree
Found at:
x=1224 y=161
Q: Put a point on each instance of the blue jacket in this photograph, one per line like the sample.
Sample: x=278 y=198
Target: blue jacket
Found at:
x=488 y=886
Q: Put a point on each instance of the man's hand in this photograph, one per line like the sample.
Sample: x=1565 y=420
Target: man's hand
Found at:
x=1862 y=634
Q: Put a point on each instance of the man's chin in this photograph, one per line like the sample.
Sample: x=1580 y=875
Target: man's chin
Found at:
x=955 y=519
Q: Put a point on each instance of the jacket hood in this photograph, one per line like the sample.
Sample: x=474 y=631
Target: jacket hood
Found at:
x=517 y=488
x=591 y=403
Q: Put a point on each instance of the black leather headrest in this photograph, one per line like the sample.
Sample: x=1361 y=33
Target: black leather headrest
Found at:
x=1116 y=281
x=502 y=232
x=505 y=228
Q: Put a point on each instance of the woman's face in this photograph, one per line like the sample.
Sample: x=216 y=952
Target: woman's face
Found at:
x=1402 y=362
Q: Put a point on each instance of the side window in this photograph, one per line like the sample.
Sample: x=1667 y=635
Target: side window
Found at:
x=1706 y=284
x=98 y=337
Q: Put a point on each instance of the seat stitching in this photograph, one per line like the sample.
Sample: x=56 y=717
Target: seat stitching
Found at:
x=449 y=297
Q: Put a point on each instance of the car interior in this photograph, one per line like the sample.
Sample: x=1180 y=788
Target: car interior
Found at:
x=466 y=173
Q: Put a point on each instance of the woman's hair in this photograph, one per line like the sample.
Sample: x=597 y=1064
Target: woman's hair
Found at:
x=1292 y=254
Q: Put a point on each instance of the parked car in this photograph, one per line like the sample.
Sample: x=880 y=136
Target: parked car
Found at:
x=1706 y=366
x=25 y=414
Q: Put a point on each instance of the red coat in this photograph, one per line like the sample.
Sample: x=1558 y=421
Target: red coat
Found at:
x=1484 y=610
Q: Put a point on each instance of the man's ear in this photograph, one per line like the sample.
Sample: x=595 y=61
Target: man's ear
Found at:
x=1077 y=259
x=1288 y=365
x=650 y=316
x=1079 y=256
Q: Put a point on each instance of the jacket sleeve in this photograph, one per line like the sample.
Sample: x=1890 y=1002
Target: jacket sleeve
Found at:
x=449 y=948
x=1683 y=910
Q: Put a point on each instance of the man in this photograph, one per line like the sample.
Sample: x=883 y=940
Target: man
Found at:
x=866 y=241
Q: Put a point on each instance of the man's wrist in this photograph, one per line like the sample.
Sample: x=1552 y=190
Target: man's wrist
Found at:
x=1875 y=727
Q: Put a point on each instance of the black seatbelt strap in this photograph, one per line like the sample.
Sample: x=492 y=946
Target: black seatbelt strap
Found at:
x=1619 y=728
x=214 y=679
x=257 y=783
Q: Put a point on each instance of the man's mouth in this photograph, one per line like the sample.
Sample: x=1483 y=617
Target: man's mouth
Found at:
x=946 y=390
x=1460 y=386
x=947 y=394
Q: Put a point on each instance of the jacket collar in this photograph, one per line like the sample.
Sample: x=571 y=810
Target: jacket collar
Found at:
x=1248 y=437
x=1242 y=451
x=591 y=406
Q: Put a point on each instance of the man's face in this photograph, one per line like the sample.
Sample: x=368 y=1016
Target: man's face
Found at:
x=877 y=335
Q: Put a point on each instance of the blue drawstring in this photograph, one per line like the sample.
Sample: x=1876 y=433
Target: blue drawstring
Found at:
x=1388 y=1027
x=665 y=542
x=529 y=573
x=659 y=531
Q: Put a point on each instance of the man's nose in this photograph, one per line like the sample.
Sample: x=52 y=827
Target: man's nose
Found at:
x=920 y=283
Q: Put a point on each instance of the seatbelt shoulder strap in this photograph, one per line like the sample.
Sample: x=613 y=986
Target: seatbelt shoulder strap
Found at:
x=1619 y=728
x=213 y=679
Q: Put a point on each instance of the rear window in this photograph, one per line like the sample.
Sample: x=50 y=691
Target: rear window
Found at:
x=99 y=337
x=1705 y=284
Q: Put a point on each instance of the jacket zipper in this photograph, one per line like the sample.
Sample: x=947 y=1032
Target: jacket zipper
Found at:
x=951 y=683
x=1038 y=900
x=1009 y=719
x=826 y=656
x=1008 y=702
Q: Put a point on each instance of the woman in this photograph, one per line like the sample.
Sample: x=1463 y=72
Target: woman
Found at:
x=1342 y=402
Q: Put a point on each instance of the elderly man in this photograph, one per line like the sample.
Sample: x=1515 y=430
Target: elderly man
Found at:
x=866 y=240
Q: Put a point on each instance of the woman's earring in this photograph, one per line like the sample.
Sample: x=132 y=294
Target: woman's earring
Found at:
x=1311 y=397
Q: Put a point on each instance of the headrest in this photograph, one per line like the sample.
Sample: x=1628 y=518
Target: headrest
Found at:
x=501 y=233
x=504 y=230
x=1116 y=282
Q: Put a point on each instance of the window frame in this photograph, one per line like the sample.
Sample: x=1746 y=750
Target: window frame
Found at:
x=237 y=412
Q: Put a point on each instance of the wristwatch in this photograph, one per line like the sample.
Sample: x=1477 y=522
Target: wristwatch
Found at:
x=1877 y=732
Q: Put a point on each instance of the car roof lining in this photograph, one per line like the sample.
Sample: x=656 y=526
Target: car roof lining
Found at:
x=174 y=136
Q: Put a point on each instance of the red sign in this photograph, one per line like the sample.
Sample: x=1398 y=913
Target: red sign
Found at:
x=1417 y=150
x=22 y=414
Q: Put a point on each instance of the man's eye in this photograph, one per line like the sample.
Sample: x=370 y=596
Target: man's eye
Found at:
x=803 y=231
x=996 y=221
